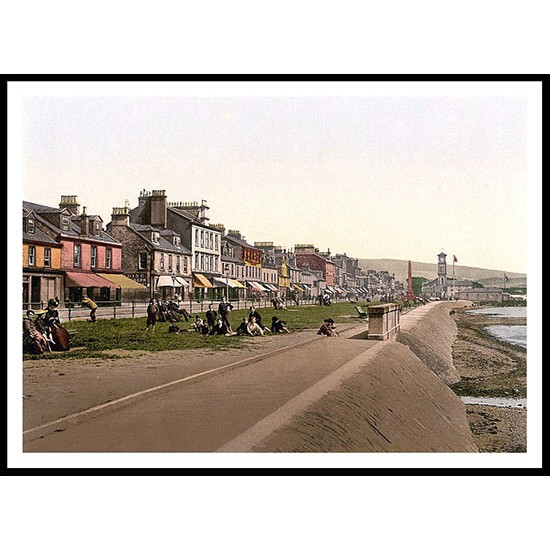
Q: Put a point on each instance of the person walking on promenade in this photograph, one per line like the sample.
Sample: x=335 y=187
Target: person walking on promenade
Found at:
x=88 y=302
x=211 y=318
x=152 y=312
x=223 y=309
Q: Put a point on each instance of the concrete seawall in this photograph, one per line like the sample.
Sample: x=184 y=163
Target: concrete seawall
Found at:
x=429 y=332
x=392 y=399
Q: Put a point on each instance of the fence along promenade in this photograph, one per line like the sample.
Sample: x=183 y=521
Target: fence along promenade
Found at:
x=134 y=309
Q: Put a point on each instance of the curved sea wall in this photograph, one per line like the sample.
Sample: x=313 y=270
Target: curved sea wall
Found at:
x=392 y=402
x=429 y=332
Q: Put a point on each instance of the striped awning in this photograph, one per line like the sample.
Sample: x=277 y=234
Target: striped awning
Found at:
x=231 y=283
x=257 y=287
x=298 y=287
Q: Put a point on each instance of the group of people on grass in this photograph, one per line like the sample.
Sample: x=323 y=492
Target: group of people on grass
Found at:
x=42 y=330
x=218 y=323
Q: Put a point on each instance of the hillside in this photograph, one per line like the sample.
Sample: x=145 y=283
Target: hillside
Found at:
x=487 y=277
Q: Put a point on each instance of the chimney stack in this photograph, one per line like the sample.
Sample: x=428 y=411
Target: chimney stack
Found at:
x=158 y=209
x=84 y=229
x=120 y=216
x=71 y=203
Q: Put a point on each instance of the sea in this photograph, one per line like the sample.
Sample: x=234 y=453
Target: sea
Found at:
x=513 y=334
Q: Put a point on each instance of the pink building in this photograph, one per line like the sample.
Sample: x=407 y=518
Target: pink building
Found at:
x=87 y=251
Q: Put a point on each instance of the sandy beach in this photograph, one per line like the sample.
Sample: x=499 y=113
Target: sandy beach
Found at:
x=491 y=368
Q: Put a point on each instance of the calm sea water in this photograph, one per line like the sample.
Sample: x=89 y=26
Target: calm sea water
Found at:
x=514 y=312
x=496 y=402
x=513 y=334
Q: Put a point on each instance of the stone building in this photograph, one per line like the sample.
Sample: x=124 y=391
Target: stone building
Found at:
x=484 y=295
x=189 y=220
x=152 y=256
x=308 y=257
x=444 y=287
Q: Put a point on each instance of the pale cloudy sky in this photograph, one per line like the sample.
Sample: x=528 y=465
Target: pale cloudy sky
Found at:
x=394 y=175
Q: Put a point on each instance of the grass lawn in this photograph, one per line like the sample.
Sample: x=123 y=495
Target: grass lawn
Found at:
x=95 y=339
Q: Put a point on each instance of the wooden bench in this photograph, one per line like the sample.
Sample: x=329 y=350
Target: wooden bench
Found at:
x=362 y=313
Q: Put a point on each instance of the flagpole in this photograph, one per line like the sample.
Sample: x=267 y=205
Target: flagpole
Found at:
x=453 y=276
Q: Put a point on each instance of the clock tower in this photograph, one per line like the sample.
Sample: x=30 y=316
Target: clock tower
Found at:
x=442 y=269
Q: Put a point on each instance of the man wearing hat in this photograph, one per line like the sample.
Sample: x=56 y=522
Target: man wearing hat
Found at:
x=92 y=305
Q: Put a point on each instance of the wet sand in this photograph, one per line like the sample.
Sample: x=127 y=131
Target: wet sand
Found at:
x=491 y=368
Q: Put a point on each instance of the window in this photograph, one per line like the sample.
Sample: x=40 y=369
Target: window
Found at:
x=97 y=227
x=76 y=255
x=185 y=264
x=196 y=237
x=170 y=263
x=162 y=262
x=108 y=257
x=178 y=264
x=93 y=257
x=65 y=223
x=30 y=225
x=142 y=260
x=202 y=239
x=196 y=260
x=32 y=255
x=47 y=257
x=217 y=241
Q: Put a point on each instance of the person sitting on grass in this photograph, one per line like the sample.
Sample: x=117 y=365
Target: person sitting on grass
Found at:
x=253 y=328
x=254 y=313
x=278 y=325
x=241 y=330
x=200 y=325
x=220 y=328
x=174 y=328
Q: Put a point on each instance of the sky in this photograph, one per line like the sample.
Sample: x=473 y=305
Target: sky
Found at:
x=395 y=175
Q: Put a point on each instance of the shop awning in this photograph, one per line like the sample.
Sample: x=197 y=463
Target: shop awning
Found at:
x=182 y=281
x=257 y=287
x=200 y=281
x=271 y=287
x=330 y=290
x=168 y=280
x=86 y=280
x=298 y=287
x=122 y=281
x=231 y=283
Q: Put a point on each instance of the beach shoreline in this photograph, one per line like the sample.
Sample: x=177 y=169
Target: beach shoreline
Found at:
x=489 y=367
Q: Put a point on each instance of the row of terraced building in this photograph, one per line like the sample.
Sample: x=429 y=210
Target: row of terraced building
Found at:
x=163 y=249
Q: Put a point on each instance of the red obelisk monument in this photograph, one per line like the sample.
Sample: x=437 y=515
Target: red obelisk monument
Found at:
x=410 y=292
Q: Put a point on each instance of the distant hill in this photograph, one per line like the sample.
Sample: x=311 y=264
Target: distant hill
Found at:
x=487 y=277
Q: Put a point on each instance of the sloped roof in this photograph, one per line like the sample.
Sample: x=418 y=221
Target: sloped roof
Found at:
x=145 y=231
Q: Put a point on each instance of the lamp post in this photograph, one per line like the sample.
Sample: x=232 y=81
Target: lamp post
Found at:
x=226 y=270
